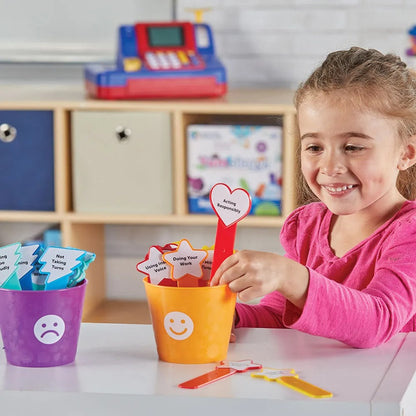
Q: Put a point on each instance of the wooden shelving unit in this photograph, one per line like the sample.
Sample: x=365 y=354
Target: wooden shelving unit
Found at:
x=86 y=231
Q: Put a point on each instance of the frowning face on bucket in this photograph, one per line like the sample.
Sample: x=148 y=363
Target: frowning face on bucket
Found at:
x=49 y=329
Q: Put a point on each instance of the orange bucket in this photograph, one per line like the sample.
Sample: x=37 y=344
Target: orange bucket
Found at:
x=191 y=325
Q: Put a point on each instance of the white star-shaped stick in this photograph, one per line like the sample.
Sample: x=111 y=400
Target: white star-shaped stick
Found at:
x=185 y=261
x=154 y=266
x=240 y=366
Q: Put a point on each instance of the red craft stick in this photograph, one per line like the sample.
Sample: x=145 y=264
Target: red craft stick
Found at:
x=225 y=369
x=207 y=378
x=224 y=244
x=230 y=207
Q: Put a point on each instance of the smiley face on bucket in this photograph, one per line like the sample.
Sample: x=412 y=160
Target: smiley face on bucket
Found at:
x=178 y=325
x=49 y=329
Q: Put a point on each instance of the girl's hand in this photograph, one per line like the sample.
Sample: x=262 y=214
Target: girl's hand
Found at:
x=253 y=274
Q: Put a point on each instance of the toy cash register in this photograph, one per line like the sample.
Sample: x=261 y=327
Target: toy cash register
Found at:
x=160 y=60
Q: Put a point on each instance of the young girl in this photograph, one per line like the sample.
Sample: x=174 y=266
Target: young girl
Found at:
x=349 y=272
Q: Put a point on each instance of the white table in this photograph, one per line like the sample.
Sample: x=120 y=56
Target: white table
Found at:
x=117 y=372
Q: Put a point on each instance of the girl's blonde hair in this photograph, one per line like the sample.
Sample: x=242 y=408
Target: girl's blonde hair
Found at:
x=369 y=79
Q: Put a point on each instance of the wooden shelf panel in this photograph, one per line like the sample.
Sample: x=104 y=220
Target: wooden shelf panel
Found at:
x=103 y=219
x=30 y=216
x=73 y=96
x=120 y=311
x=191 y=219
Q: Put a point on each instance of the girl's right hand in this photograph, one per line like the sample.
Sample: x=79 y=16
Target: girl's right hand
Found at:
x=253 y=274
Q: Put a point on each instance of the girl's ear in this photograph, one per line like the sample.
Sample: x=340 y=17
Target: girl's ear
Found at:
x=408 y=156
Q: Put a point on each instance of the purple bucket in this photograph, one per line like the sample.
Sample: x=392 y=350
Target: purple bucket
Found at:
x=41 y=328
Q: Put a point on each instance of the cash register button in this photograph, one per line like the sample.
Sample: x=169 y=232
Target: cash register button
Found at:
x=193 y=58
x=183 y=57
x=152 y=60
x=132 y=64
x=174 y=60
x=163 y=60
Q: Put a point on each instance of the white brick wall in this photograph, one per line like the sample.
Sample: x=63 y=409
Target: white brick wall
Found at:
x=261 y=42
x=279 y=42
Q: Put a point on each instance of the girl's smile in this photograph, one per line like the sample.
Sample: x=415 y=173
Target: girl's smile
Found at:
x=338 y=189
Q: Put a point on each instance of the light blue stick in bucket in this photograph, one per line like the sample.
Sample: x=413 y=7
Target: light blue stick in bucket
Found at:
x=59 y=264
x=9 y=259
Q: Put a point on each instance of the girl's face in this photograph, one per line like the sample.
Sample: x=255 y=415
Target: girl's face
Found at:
x=349 y=156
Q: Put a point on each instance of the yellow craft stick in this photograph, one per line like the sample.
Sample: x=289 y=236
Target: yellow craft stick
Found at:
x=271 y=374
x=303 y=387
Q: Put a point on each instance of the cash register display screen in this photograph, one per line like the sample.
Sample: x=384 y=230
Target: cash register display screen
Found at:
x=165 y=36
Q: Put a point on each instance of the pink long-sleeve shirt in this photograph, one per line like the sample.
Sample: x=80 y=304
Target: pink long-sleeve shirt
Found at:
x=362 y=298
